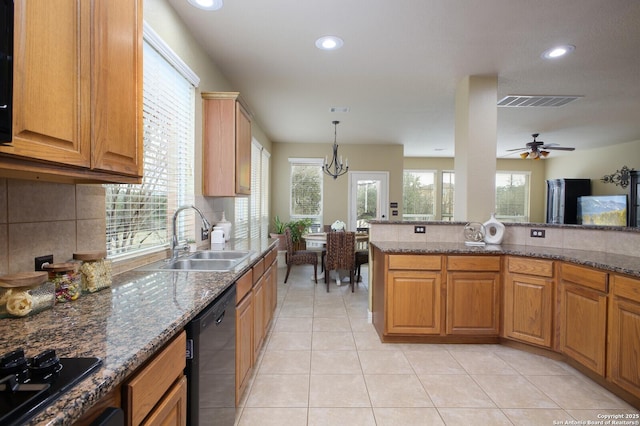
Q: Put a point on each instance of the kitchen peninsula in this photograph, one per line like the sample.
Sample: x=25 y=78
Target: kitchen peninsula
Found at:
x=125 y=326
x=579 y=305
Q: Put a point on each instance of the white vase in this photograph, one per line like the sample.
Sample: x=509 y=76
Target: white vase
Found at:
x=494 y=230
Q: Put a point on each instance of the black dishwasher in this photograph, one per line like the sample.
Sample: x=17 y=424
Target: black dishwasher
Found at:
x=211 y=363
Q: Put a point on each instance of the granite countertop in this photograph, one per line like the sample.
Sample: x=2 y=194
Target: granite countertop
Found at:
x=123 y=325
x=629 y=265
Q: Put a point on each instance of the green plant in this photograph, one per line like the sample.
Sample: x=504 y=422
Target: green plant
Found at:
x=278 y=225
x=298 y=227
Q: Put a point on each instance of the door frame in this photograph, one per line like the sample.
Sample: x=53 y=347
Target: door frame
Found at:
x=383 y=177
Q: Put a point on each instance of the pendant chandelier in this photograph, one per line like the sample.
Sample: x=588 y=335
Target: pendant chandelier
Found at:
x=339 y=168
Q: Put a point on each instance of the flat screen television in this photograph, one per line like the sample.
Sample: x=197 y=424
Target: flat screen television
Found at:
x=605 y=210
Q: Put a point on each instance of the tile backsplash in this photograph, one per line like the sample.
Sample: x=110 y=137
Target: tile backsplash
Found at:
x=39 y=218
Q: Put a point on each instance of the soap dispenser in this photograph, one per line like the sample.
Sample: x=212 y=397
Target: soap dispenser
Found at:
x=226 y=227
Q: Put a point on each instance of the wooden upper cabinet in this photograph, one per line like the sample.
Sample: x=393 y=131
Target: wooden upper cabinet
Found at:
x=226 y=145
x=117 y=87
x=77 y=91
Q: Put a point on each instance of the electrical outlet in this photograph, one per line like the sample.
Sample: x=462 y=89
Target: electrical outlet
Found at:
x=537 y=233
x=41 y=260
x=419 y=229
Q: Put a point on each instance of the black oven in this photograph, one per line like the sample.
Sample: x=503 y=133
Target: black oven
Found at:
x=6 y=69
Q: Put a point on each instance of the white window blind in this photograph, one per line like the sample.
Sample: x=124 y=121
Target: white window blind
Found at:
x=252 y=213
x=306 y=188
x=139 y=216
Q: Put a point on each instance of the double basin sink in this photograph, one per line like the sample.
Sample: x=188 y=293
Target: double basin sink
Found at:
x=205 y=260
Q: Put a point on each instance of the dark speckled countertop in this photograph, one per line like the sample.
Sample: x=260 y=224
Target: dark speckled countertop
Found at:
x=123 y=325
x=629 y=265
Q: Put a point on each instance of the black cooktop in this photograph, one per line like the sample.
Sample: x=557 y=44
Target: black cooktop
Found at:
x=29 y=385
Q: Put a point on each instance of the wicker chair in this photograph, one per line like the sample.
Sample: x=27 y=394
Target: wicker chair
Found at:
x=340 y=255
x=299 y=257
x=362 y=255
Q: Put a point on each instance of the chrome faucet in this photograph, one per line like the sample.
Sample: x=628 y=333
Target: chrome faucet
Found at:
x=206 y=227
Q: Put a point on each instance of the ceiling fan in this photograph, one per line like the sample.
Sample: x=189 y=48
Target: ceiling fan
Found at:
x=538 y=149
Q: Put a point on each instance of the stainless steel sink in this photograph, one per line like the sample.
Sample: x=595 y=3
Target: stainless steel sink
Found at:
x=202 y=261
x=202 y=264
x=213 y=254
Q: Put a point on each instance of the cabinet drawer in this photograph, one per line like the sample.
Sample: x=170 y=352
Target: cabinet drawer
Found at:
x=537 y=267
x=243 y=286
x=148 y=386
x=585 y=277
x=628 y=288
x=258 y=270
x=473 y=263
x=415 y=262
x=271 y=256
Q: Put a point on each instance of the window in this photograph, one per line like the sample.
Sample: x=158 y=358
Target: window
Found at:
x=419 y=195
x=512 y=196
x=306 y=189
x=448 y=188
x=139 y=216
x=252 y=213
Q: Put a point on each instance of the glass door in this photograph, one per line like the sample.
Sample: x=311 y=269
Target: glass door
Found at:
x=368 y=198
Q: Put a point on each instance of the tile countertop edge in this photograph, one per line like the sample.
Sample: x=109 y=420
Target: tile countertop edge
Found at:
x=629 y=265
x=90 y=326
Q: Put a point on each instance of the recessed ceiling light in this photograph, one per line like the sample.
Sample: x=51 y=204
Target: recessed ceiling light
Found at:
x=206 y=4
x=329 y=43
x=558 y=51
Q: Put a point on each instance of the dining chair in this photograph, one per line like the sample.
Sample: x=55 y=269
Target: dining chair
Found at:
x=299 y=257
x=340 y=255
x=362 y=255
x=323 y=252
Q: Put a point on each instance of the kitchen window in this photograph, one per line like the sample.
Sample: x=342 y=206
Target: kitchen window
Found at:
x=448 y=192
x=512 y=196
x=252 y=213
x=306 y=188
x=419 y=195
x=139 y=216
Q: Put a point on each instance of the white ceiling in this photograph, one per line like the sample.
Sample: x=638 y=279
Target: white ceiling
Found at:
x=402 y=60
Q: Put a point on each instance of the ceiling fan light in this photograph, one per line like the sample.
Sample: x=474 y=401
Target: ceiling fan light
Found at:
x=545 y=154
x=524 y=155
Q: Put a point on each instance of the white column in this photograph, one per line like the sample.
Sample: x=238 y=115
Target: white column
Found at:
x=475 y=148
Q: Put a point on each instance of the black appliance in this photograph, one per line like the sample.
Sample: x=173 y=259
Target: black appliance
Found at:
x=29 y=385
x=562 y=199
x=211 y=363
x=6 y=70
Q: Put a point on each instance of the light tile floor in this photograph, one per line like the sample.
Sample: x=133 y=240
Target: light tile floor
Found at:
x=323 y=364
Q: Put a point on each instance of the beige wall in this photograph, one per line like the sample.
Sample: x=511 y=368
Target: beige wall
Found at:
x=594 y=164
x=375 y=158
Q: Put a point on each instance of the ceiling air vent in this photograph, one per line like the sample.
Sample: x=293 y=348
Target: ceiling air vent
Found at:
x=339 y=109
x=535 y=101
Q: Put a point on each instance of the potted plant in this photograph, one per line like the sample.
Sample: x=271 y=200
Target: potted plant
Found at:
x=278 y=232
x=298 y=228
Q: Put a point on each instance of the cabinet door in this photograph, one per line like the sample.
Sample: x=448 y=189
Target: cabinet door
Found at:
x=244 y=344
x=528 y=309
x=258 y=315
x=116 y=89
x=413 y=302
x=172 y=408
x=243 y=151
x=624 y=334
x=51 y=82
x=583 y=322
x=473 y=303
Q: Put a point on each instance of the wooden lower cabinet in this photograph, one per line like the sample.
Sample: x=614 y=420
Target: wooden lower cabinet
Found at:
x=624 y=334
x=172 y=410
x=156 y=394
x=259 y=298
x=244 y=344
x=528 y=301
x=583 y=316
x=473 y=295
x=414 y=301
